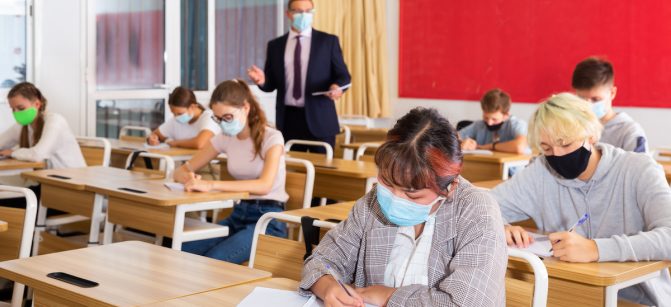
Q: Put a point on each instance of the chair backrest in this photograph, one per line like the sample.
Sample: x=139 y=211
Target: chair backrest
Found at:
x=344 y=137
x=125 y=133
x=96 y=151
x=166 y=164
x=300 y=182
x=17 y=240
x=355 y=120
x=327 y=146
x=282 y=257
x=361 y=152
x=521 y=292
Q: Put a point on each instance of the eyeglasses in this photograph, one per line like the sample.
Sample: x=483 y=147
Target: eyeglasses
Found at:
x=228 y=117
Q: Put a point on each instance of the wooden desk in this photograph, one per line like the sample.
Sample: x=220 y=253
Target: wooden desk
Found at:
x=230 y=296
x=166 y=208
x=3 y=226
x=66 y=190
x=588 y=284
x=338 y=211
x=489 y=184
x=339 y=179
x=490 y=167
x=129 y=274
x=121 y=150
x=667 y=171
x=10 y=167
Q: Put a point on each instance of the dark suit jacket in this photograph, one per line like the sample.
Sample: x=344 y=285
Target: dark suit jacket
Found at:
x=325 y=67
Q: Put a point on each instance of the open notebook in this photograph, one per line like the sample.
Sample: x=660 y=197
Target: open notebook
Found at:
x=483 y=152
x=261 y=296
x=541 y=246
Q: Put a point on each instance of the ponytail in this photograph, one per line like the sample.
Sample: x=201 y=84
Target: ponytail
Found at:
x=29 y=91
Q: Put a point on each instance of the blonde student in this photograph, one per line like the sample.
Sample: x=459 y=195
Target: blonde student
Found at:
x=191 y=127
x=498 y=130
x=624 y=194
x=255 y=154
x=424 y=236
x=594 y=81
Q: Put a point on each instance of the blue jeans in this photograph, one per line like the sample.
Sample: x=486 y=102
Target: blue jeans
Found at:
x=236 y=247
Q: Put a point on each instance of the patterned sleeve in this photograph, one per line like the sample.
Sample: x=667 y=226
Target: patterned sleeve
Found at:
x=339 y=248
x=477 y=270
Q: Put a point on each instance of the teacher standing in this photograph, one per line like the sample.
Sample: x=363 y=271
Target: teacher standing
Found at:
x=299 y=63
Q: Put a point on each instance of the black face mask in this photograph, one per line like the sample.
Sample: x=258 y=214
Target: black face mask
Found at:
x=495 y=127
x=571 y=165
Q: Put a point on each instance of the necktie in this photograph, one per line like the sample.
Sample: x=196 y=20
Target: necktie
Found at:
x=297 y=69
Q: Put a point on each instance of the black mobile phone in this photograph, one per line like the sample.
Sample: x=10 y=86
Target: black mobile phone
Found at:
x=133 y=190
x=71 y=279
x=325 y=166
x=59 y=176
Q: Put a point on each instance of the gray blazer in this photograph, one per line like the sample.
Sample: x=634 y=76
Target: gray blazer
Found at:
x=467 y=262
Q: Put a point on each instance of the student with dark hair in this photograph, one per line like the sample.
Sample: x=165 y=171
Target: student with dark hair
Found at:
x=191 y=127
x=498 y=130
x=255 y=154
x=594 y=81
x=423 y=236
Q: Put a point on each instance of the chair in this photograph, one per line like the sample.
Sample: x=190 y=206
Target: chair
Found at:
x=463 y=124
x=97 y=151
x=282 y=257
x=327 y=146
x=15 y=243
x=125 y=135
x=361 y=151
x=518 y=291
x=300 y=181
x=356 y=120
x=343 y=138
x=166 y=164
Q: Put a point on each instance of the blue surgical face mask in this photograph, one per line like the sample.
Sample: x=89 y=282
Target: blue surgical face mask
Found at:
x=184 y=118
x=403 y=212
x=599 y=108
x=302 y=21
x=233 y=127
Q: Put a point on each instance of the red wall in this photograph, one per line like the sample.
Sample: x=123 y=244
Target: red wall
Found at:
x=458 y=49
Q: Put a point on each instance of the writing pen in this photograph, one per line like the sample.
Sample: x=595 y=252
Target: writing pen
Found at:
x=581 y=221
x=328 y=267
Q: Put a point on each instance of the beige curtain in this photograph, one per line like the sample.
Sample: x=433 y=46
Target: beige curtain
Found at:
x=361 y=27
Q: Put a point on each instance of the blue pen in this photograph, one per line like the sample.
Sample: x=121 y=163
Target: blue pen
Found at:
x=581 y=221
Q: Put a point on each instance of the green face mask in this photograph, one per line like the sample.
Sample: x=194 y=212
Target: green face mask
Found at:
x=25 y=117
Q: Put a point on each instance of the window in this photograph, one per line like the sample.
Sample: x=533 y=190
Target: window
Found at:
x=243 y=29
x=130 y=44
x=111 y=115
x=194 y=44
x=13 y=53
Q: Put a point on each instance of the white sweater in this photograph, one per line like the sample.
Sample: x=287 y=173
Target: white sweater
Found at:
x=57 y=145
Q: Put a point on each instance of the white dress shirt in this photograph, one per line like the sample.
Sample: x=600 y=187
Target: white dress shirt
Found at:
x=408 y=262
x=306 y=40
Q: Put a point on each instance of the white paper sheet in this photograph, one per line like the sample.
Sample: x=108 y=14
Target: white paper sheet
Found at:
x=159 y=146
x=346 y=86
x=484 y=152
x=541 y=246
x=262 y=296
x=174 y=186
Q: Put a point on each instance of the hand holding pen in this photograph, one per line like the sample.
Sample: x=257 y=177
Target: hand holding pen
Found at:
x=572 y=247
x=352 y=298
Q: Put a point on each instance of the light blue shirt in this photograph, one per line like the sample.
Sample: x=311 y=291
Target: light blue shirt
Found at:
x=512 y=128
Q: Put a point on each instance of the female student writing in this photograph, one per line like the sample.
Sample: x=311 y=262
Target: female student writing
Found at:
x=625 y=195
x=191 y=127
x=38 y=135
x=255 y=159
x=423 y=236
